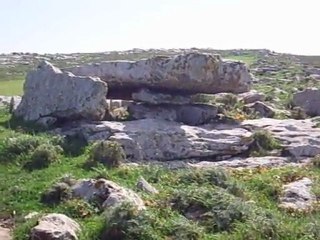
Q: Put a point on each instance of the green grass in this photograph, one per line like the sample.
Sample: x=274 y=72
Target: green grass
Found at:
x=235 y=204
x=248 y=59
x=11 y=87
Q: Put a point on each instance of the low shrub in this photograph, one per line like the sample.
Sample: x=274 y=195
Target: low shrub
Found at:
x=316 y=161
x=109 y=153
x=263 y=142
x=43 y=156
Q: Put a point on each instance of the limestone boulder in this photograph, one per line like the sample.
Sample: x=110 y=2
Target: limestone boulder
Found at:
x=55 y=226
x=187 y=73
x=49 y=92
x=298 y=195
x=153 y=139
x=190 y=114
x=261 y=108
x=308 y=100
x=108 y=193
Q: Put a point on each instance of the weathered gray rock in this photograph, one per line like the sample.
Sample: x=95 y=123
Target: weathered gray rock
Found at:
x=5 y=234
x=151 y=139
x=147 y=96
x=300 y=138
x=191 y=72
x=190 y=114
x=251 y=162
x=261 y=108
x=298 y=195
x=309 y=100
x=49 y=92
x=143 y=185
x=55 y=227
x=109 y=193
x=251 y=97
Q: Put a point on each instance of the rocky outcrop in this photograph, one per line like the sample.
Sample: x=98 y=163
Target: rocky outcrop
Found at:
x=308 y=100
x=105 y=192
x=55 y=227
x=299 y=138
x=152 y=139
x=298 y=195
x=190 y=114
x=188 y=73
x=49 y=92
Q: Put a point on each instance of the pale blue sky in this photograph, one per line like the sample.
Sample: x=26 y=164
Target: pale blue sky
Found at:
x=50 y=26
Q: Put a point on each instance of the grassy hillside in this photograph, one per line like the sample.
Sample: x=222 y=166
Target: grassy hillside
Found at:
x=11 y=87
x=233 y=204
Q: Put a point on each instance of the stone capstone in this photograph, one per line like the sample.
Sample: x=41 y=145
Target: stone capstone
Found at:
x=188 y=73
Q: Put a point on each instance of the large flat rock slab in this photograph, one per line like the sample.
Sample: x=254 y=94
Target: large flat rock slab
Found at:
x=152 y=139
x=191 y=73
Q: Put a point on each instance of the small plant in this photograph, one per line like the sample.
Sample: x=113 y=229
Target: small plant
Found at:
x=44 y=155
x=78 y=208
x=263 y=143
x=316 y=161
x=109 y=153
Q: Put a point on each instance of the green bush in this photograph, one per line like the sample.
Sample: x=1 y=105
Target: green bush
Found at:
x=126 y=222
x=109 y=153
x=44 y=155
x=316 y=161
x=263 y=142
x=215 y=176
x=186 y=229
x=22 y=145
x=77 y=208
x=213 y=208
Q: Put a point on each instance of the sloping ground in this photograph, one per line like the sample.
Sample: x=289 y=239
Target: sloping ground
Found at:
x=191 y=204
x=309 y=60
